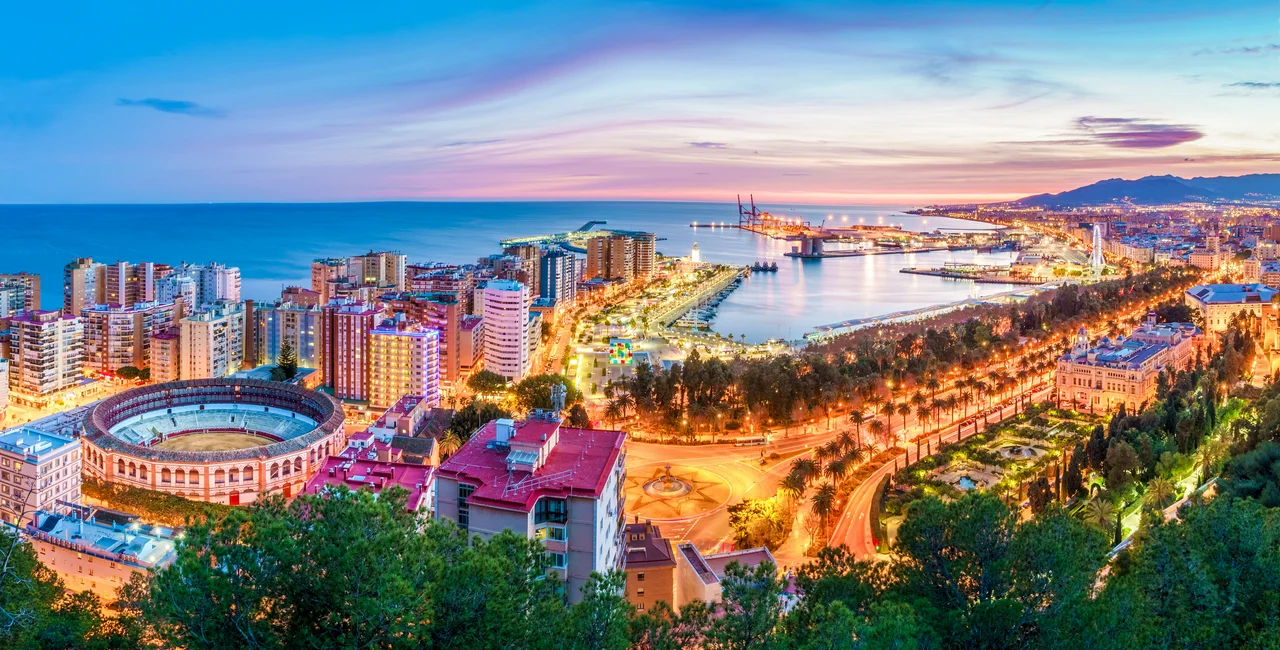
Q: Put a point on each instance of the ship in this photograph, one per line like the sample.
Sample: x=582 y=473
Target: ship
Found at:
x=764 y=267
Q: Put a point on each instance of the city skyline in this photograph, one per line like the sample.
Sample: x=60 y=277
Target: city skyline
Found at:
x=820 y=102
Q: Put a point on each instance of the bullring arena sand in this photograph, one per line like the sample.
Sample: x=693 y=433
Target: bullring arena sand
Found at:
x=212 y=441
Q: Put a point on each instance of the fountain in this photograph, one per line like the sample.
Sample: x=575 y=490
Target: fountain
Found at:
x=667 y=486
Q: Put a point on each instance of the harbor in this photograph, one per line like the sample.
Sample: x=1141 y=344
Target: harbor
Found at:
x=981 y=273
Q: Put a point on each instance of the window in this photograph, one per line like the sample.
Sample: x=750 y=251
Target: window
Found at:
x=640 y=607
x=548 y=510
x=640 y=577
x=640 y=592
x=464 y=510
x=556 y=560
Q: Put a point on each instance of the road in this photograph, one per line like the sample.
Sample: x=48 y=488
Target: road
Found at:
x=854 y=528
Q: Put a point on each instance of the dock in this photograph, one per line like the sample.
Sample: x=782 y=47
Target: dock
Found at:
x=990 y=275
x=821 y=253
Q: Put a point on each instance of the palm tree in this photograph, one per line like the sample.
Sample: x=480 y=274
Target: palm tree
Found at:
x=855 y=455
x=858 y=419
x=904 y=410
x=806 y=468
x=793 y=486
x=887 y=410
x=450 y=443
x=924 y=415
x=837 y=469
x=1160 y=493
x=966 y=398
x=824 y=503
x=826 y=452
x=932 y=384
x=877 y=431
x=1099 y=512
x=844 y=441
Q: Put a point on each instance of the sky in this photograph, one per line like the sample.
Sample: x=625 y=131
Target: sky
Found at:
x=822 y=102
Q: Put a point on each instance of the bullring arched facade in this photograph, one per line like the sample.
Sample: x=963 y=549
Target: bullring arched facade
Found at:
x=232 y=477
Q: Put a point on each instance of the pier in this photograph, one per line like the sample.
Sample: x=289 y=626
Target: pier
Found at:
x=824 y=333
x=975 y=273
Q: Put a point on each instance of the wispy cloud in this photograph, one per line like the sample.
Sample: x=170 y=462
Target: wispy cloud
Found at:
x=472 y=143
x=1254 y=85
x=709 y=145
x=1133 y=133
x=1243 y=49
x=176 y=106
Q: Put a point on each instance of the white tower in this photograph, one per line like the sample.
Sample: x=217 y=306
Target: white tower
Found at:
x=1096 y=261
x=696 y=255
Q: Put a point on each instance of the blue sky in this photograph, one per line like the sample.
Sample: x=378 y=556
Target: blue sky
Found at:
x=844 y=102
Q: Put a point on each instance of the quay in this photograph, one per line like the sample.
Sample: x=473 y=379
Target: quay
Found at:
x=671 y=312
x=974 y=273
x=817 y=252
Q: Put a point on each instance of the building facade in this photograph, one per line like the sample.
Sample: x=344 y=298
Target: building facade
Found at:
x=116 y=337
x=212 y=341
x=37 y=470
x=295 y=324
x=555 y=484
x=47 y=354
x=558 y=277
x=98 y=556
x=344 y=352
x=166 y=355
x=30 y=288
x=83 y=285
x=506 y=328
x=1218 y=303
x=1124 y=371
x=404 y=359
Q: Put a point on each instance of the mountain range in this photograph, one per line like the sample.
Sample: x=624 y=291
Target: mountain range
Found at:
x=1160 y=190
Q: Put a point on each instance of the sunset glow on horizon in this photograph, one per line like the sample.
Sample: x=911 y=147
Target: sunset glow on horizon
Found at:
x=815 y=102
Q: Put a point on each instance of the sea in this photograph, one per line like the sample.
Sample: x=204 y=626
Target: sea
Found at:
x=274 y=244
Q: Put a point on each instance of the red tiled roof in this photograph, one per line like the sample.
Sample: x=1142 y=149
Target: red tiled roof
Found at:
x=358 y=473
x=578 y=465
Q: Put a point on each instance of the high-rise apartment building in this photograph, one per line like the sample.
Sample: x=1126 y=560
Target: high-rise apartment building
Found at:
x=506 y=328
x=37 y=469
x=30 y=283
x=47 y=354
x=558 y=277
x=470 y=346
x=644 y=254
x=442 y=312
x=212 y=341
x=84 y=283
x=298 y=325
x=621 y=257
x=116 y=337
x=384 y=269
x=166 y=355
x=344 y=351
x=404 y=359
x=200 y=284
x=326 y=273
x=13 y=299
x=128 y=283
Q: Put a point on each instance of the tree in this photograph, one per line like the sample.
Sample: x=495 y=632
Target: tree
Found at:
x=474 y=415
x=1040 y=494
x=1255 y=475
x=534 y=392
x=751 y=605
x=824 y=503
x=1072 y=479
x=1096 y=447
x=661 y=628
x=599 y=620
x=128 y=372
x=1121 y=464
x=992 y=580
x=286 y=362
x=578 y=418
x=486 y=382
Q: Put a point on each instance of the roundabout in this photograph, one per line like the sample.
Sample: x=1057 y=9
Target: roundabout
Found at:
x=667 y=492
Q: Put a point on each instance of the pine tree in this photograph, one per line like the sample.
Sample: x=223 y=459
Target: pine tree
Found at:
x=287 y=361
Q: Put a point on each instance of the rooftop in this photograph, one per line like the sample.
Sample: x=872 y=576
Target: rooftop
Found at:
x=578 y=464
x=1231 y=294
x=363 y=472
x=34 y=443
x=143 y=546
x=646 y=547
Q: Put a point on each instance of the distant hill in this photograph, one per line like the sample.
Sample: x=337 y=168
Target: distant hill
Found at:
x=1156 y=190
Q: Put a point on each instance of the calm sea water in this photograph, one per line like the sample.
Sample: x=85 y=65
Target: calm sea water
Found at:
x=273 y=244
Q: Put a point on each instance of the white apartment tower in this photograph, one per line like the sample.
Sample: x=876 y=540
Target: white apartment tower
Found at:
x=48 y=352
x=212 y=341
x=506 y=323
